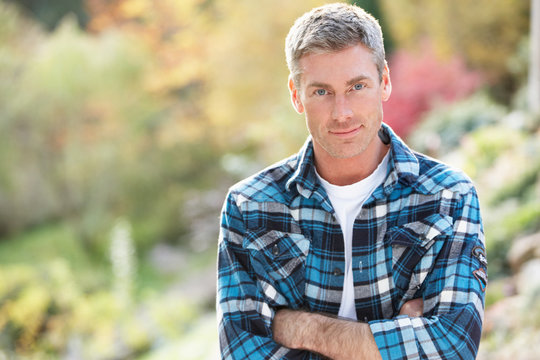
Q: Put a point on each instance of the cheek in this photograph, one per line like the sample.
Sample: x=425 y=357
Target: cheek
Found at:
x=315 y=118
x=317 y=110
x=368 y=108
x=315 y=126
x=311 y=123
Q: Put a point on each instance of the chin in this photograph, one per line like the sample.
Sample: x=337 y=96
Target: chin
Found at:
x=345 y=153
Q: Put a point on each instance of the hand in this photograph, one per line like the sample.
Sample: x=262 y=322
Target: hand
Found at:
x=413 y=308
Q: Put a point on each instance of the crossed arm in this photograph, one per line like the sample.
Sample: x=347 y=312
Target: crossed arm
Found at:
x=334 y=338
x=251 y=327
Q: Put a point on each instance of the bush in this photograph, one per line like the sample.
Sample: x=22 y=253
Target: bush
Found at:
x=45 y=313
x=82 y=138
x=443 y=129
x=422 y=81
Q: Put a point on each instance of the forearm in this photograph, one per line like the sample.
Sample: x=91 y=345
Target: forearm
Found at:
x=325 y=335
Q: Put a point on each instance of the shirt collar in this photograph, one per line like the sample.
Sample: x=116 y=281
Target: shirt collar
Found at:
x=304 y=176
x=402 y=166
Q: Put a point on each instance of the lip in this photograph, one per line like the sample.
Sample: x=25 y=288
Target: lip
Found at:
x=346 y=133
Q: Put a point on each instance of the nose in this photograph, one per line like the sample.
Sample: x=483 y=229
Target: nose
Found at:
x=342 y=110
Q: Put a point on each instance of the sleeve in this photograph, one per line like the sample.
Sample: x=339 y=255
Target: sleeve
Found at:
x=453 y=294
x=244 y=314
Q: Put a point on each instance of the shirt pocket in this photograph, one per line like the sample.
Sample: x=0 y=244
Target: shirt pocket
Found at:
x=279 y=259
x=412 y=253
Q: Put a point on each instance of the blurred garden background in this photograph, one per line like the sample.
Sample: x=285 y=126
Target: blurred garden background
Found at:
x=124 y=122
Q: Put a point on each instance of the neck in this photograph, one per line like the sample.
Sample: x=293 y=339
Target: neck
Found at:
x=348 y=171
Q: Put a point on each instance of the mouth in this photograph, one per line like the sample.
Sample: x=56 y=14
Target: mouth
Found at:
x=346 y=133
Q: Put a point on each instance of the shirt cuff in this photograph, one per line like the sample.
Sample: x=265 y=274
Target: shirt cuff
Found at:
x=395 y=338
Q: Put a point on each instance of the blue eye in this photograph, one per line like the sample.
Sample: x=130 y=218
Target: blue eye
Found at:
x=320 y=92
x=358 y=86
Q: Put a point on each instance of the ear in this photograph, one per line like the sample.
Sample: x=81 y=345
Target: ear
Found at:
x=386 y=83
x=295 y=97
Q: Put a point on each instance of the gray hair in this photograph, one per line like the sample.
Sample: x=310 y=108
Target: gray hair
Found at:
x=330 y=28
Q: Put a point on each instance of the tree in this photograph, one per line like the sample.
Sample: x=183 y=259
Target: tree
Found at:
x=223 y=66
x=485 y=32
x=534 y=66
x=374 y=8
x=50 y=13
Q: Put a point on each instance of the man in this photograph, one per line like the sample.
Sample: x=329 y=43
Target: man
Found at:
x=356 y=247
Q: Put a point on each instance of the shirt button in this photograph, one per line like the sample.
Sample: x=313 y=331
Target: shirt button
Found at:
x=337 y=272
x=275 y=250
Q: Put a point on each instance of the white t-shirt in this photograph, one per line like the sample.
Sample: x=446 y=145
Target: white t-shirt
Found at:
x=347 y=201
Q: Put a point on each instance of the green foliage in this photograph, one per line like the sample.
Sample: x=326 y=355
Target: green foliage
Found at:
x=42 y=245
x=200 y=343
x=443 y=129
x=374 y=8
x=521 y=188
x=485 y=146
x=500 y=150
x=48 y=297
x=503 y=227
x=82 y=139
x=47 y=310
x=521 y=220
x=51 y=13
x=496 y=292
x=56 y=158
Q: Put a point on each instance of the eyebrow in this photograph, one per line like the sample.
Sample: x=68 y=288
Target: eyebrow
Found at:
x=358 y=79
x=348 y=83
x=318 y=85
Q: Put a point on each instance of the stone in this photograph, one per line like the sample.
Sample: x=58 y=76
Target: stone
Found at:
x=528 y=279
x=524 y=249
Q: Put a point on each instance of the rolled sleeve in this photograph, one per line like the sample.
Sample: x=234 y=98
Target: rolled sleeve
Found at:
x=453 y=295
x=244 y=313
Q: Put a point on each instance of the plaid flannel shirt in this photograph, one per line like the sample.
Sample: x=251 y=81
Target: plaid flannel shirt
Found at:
x=418 y=235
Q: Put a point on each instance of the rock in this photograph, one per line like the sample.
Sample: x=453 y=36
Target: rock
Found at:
x=522 y=250
x=528 y=279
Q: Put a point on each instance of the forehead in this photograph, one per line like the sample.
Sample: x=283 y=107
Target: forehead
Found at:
x=337 y=66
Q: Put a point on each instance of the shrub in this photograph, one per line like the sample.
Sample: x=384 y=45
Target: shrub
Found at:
x=421 y=81
x=442 y=129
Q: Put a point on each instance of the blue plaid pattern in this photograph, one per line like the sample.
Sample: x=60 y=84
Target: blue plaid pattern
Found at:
x=417 y=235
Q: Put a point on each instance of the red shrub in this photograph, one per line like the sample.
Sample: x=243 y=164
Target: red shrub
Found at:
x=420 y=81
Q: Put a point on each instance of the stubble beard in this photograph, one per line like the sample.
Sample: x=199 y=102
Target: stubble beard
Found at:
x=345 y=149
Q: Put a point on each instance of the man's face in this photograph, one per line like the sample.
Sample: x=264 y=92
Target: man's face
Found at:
x=341 y=95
